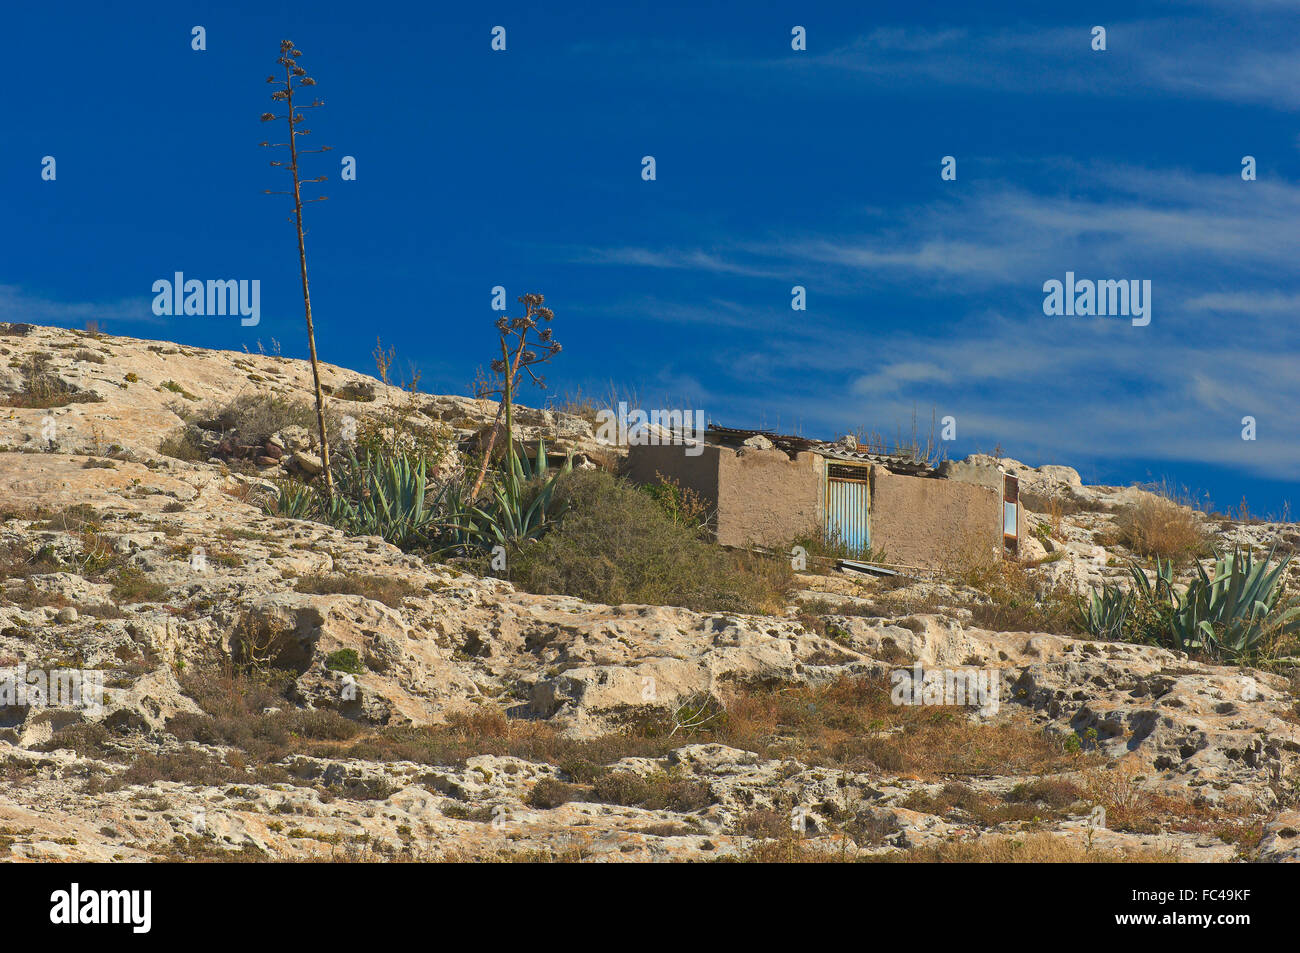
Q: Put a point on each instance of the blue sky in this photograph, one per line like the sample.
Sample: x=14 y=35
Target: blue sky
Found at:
x=774 y=168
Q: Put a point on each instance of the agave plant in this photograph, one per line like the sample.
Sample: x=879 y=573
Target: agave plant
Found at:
x=296 y=501
x=386 y=496
x=513 y=515
x=1232 y=613
x=1239 y=609
x=1106 y=613
x=389 y=497
x=1161 y=590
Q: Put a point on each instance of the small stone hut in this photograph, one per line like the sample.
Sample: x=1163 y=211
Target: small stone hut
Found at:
x=766 y=489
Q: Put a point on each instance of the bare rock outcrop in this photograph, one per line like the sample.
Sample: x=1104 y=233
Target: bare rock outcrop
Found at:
x=153 y=569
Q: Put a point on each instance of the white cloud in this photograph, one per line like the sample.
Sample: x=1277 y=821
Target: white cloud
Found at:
x=1253 y=303
x=1047 y=389
x=20 y=306
x=1190 y=56
x=1115 y=222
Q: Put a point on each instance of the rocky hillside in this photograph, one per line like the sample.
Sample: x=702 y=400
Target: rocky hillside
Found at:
x=411 y=709
x=95 y=394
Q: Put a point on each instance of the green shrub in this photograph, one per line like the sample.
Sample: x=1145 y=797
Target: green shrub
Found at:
x=550 y=793
x=176 y=388
x=657 y=792
x=617 y=545
x=344 y=660
x=131 y=585
x=684 y=506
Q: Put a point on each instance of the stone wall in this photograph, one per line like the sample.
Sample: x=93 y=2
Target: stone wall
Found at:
x=765 y=498
x=759 y=497
x=931 y=523
x=762 y=497
x=983 y=474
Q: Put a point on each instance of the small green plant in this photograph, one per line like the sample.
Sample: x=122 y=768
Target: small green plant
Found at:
x=684 y=506
x=344 y=660
x=176 y=388
x=1107 y=612
x=131 y=585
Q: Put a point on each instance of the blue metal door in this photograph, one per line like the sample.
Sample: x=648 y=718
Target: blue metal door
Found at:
x=846 y=514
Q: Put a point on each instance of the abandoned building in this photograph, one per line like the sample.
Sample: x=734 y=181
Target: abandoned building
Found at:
x=766 y=489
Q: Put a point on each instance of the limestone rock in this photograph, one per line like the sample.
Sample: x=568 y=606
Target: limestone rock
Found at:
x=386 y=643
x=307 y=463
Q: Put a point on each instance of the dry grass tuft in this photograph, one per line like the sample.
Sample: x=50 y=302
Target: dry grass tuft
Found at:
x=850 y=724
x=386 y=589
x=1038 y=848
x=1015 y=601
x=1132 y=808
x=1159 y=526
x=43 y=388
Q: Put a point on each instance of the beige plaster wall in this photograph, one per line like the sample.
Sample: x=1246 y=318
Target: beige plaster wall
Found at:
x=932 y=523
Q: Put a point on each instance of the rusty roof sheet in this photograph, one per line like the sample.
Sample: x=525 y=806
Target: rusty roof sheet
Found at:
x=790 y=443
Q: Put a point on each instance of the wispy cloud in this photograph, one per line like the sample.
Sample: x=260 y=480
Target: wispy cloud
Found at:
x=1114 y=221
x=1247 y=59
x=20 y=305
x=1062 y=389
x=1247 y=303
x=684 y=259
x=1050 y=389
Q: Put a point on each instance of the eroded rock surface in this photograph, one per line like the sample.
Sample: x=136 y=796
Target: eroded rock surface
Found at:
x=152 y=570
